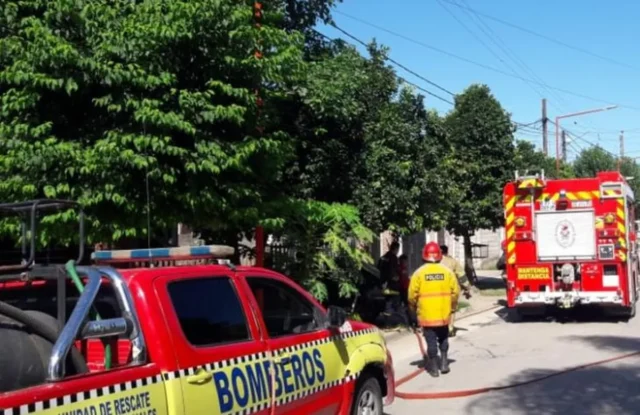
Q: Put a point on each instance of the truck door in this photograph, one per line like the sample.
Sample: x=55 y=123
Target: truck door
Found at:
x=310 y=362
x=222 y=363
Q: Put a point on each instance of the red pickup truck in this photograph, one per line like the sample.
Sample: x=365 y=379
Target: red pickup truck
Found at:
x=174 y=337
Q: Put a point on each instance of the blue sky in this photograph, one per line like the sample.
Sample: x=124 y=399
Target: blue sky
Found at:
x=594 y=26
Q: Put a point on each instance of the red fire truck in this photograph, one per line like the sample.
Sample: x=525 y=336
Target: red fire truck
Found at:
x=571 y=242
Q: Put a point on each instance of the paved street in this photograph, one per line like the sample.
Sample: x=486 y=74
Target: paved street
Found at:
x=497 y=352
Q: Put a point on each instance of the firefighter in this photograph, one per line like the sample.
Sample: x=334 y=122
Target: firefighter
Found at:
x=433 y=294
x=451 y=263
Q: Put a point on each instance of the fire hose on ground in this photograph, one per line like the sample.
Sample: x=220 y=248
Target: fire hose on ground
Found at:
x=478 y=391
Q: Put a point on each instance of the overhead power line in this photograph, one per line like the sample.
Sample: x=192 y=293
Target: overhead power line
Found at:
x=426 y=91
x=344 y=32
x=591 y=144
x=542 y=36
x=487 y=47
x=478 y=64
x=497 y=40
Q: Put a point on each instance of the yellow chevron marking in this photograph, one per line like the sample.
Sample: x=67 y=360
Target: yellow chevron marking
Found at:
x=512 y=259
x=510 y=233
x=599 y=223
x=622 y=243
x=571 y=196
x=529 y=184
x=584 y=195
x=620 y=213
x=510 y=203
x=511 y=246
x=510 y=218
x=621 y=202
x=596 y=194
x=622 y=256
x=621 y=227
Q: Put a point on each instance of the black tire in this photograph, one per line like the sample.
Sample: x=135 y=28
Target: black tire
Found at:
x=525 y=314
x=630 y=312
x=368 y=392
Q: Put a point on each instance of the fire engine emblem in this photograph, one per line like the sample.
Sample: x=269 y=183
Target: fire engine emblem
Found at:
x=565 y=234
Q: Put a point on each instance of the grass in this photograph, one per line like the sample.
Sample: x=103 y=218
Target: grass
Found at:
x=489 y=264
x=493 y=292
x=462 y=305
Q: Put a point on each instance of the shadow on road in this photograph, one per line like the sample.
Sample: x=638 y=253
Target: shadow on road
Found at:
x=596 y=390
x=619 y=344
x=580 y=315
x=489 y=283
x=593 y=391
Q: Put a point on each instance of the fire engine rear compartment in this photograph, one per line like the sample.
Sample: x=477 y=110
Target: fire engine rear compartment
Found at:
x=567 y=254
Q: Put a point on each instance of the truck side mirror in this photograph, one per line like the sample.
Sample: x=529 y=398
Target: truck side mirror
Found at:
x=337 y=316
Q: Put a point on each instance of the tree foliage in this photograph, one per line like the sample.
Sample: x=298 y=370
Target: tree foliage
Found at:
x=481 y=133
x=365 y=139
x=592 y=160
x=97 y=96
x=529 y=160
x=328 y=243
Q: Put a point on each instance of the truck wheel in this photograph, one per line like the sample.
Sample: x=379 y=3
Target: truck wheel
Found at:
x=630 y=312
x=368 y=397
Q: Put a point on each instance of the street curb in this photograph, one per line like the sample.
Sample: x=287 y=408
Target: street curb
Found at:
x=392 y=335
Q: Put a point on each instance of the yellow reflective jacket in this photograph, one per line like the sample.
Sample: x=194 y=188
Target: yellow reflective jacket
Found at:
x=433 y=293
x=451 y=263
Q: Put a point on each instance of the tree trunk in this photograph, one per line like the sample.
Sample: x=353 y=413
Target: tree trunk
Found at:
x=468 y=257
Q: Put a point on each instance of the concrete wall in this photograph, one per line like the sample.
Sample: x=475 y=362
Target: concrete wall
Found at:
x=412 y=245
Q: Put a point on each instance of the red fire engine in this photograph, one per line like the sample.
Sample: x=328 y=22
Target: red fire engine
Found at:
x=571 y=242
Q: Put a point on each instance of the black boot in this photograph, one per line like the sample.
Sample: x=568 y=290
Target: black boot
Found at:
x=432 y=367
x=444 y=363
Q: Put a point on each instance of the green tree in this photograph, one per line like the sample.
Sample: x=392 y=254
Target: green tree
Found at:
x=528 y=159
x=592 y=160
x=365 y=140
x=481 y=133
x=97 y=96
x=403 y=163
x=630 y=169
x=327 y=241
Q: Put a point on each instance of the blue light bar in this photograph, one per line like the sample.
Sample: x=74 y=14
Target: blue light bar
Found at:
x=182 y=252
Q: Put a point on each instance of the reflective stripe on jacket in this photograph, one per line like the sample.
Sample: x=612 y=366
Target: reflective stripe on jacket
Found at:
x=433 y=292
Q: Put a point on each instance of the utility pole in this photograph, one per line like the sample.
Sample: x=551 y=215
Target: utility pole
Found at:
x=564 y=146
x=545 y=138
x=621 y=149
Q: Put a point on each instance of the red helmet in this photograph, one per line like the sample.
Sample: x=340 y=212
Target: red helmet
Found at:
x=431 y=252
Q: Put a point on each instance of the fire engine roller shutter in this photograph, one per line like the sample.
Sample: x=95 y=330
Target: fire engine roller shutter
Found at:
x=565 y=235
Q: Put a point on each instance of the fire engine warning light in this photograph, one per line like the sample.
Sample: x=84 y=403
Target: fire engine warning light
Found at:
x=182 y=252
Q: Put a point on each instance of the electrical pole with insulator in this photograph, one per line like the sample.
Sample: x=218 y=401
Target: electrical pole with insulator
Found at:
x=545 y=137
x=621 y=149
